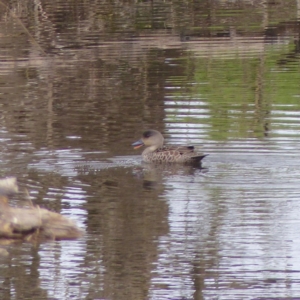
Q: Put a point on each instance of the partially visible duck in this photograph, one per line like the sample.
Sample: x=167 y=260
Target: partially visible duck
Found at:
x=156 y=151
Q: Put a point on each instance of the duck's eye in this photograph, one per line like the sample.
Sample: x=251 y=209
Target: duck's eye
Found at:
x=147 y=134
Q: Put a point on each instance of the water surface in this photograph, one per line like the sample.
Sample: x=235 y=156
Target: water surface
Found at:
x=82 y=82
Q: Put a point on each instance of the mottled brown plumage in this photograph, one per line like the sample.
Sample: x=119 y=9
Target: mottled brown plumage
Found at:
x=156 y=151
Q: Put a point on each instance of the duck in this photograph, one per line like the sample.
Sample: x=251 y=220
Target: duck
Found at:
x=157 y=152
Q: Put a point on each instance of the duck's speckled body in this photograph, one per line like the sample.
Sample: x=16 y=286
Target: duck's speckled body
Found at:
x=158 y=153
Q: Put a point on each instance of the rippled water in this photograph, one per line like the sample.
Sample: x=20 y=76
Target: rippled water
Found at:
x=82 y=82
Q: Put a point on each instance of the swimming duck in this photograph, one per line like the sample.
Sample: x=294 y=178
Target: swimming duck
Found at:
x=156 y=151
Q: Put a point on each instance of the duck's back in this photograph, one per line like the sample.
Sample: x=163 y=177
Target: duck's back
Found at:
x=174 y=154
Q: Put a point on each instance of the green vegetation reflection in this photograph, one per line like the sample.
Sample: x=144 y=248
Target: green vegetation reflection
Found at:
x=242 y=94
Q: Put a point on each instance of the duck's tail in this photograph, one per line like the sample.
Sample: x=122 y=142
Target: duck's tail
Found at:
x=198 y=158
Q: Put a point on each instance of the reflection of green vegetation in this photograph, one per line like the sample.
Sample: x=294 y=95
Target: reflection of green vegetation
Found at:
x=241 y=93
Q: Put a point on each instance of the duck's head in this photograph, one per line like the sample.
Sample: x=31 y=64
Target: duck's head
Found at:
x=151 y=138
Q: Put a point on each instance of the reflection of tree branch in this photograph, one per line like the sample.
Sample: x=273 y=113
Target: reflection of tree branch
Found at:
x=50 y=111
x=262 y=111
x=24 y=27
x=30 y=283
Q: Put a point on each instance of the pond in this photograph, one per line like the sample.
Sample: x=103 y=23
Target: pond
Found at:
x=79 y=83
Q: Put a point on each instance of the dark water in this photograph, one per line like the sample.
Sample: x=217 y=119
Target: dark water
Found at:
x=82 y=82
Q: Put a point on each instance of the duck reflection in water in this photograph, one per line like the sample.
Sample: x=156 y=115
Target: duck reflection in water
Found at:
x=156 y=152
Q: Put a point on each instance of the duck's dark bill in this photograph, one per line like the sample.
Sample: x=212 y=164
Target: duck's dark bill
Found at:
x=138 y=144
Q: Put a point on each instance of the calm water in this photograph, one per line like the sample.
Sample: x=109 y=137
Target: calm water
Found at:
x=83 y=81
